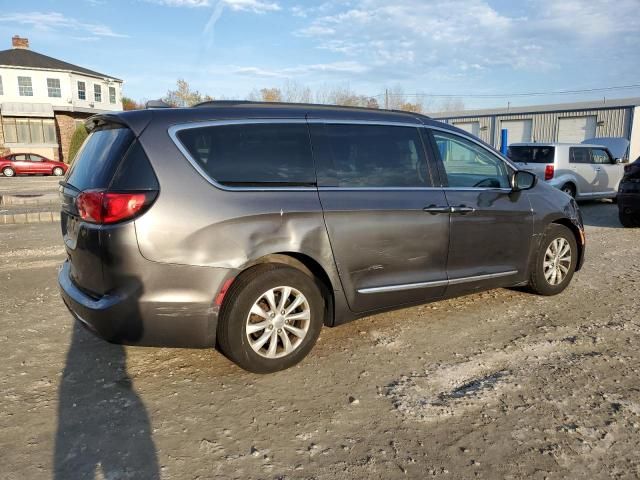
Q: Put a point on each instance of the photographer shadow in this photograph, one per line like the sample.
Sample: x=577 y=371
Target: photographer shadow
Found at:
x=102 y=422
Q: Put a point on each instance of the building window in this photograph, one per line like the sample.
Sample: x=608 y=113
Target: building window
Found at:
x=24 y=87
x=82 y=91
x=97 y=93
x=1 y=89
x=53 y=87
x=30 y=131
x=112 y=94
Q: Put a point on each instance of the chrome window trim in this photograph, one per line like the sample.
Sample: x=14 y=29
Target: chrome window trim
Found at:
x=175 y=129
x=436 y=283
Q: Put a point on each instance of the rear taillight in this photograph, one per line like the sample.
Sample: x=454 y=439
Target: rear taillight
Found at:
x=98 y=206
x=549 y=170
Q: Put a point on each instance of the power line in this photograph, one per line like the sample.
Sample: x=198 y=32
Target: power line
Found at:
x=509 y=95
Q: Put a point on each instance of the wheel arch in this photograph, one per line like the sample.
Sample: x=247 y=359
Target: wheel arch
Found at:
x=565 y=222
x=309 y=266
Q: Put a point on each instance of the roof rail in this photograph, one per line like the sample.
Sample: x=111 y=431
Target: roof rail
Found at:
x=156 y=104
x=231 y=103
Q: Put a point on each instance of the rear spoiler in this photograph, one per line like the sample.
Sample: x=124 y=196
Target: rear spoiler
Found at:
x=136 y=120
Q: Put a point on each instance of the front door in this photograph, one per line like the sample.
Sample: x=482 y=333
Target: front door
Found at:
x=491 y=226
x=608 y=172
x=583 y=169
x=388 y=226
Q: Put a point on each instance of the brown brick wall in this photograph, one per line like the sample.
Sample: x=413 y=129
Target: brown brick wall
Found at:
x=65 y=126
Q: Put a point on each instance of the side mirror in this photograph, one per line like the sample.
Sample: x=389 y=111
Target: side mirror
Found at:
x=618 y=161
x=523 y=180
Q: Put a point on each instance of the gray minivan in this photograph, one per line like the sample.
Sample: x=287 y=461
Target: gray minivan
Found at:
x=249 y=226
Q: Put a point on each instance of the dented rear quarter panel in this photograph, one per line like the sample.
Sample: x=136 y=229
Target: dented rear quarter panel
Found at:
x=196 y=223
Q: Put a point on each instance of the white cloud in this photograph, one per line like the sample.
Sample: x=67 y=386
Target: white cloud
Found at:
x=464 y=35
x=182 y=3
x=255 y=6
x=58 y=21
x=341 y=67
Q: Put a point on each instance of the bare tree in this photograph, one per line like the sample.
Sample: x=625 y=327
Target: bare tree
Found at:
x=295 y=92
x=183 y=96
x=451 y=104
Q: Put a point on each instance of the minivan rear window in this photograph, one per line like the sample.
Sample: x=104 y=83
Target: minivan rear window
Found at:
x=252 y=154
x=531 y=154
x=99 y=157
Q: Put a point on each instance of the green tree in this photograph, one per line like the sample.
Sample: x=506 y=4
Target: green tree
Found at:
x=77 y=139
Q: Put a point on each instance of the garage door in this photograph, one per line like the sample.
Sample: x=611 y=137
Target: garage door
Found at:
x=517 y=130
x=471 y=127
x=576 y=129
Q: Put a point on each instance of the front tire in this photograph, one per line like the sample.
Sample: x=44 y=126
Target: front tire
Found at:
x=628 y=219
x=58 y=172
x=271 y=318
x=8 y=172
x=555 y=261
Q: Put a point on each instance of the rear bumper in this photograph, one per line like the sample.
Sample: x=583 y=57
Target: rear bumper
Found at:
x=150 y=314
x=629 y=196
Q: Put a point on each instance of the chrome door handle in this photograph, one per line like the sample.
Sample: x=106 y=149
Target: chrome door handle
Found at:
x=435 y=209
x=462 y=210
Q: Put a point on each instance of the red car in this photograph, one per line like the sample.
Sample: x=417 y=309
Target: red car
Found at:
x=30 y=163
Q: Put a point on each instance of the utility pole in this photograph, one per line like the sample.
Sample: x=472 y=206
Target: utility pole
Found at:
x=386 y=99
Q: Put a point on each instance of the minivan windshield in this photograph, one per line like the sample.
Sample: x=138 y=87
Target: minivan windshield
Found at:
x=531 y=154
x=99 y=157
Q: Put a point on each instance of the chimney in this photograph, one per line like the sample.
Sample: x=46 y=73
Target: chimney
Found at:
x=18 y=42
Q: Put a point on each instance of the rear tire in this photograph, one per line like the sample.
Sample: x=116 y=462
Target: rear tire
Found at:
x=555 y=261
x=252 y=329
x=58 y=172
x=628 y=219
x=569 y=190
x=8 y=172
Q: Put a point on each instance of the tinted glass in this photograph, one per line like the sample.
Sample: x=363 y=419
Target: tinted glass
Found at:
x=579 y=155
x=245 y=155
x=20 y=158
x=135 y=172
x=467 y=164
x=600 y=156
x=530 y=154
x=36 y=158
x=99 y=157
x=371 y=156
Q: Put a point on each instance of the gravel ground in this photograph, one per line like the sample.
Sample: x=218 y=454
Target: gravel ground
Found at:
x=501 y=384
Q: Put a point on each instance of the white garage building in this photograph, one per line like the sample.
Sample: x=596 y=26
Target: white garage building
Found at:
x=567 y=122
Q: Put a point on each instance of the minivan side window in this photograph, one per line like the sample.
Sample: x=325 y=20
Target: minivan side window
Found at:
x=579 y=155
x=468 y=165
x=370 y=156
x=600 y=156
x=274 y=154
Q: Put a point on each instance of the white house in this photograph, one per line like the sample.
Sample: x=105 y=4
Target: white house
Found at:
x=42 y=99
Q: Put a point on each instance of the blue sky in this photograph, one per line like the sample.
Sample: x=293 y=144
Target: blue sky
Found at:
x=229 y=47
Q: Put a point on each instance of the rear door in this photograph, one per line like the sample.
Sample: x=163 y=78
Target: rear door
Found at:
x=584 y=170
x=491 y=226
x=388 y=225
x=21 y=163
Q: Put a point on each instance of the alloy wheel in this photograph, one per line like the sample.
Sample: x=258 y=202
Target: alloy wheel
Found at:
x=278 y=322
x=557 y=261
